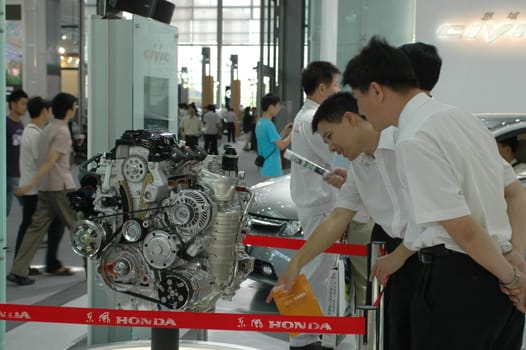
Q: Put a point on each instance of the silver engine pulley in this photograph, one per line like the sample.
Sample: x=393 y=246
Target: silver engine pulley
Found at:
x=191 y=211
x=134 y=168
x=87 y=238
x=122 y=267
x=160 y=249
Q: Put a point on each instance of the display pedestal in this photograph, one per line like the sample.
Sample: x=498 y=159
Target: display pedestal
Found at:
x=163 y=336
x=184 y=345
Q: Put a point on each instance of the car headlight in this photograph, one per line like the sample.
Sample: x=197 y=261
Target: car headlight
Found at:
x=273 y=227
x=292 y=228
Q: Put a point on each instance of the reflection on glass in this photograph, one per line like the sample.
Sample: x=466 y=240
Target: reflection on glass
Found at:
x=156 y=103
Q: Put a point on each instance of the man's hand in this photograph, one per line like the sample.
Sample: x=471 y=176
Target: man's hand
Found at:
x=517 y=295
x=22 y=190
x=287 y=278
x=336 y=177
x=386 y=266
x=287 y=129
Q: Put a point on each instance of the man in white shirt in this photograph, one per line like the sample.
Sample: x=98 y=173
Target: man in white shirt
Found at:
x=508 y=149
x=314 y=198
x=212 y=129
x=465 y=208
x=231 y=120
x=368 y=188
x=40 y=113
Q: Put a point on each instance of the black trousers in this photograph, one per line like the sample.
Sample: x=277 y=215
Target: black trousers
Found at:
x=231 y=129
x=398 y=295
x=458 y=305
x=191 y=140
x=54 y=234
x=211 y=144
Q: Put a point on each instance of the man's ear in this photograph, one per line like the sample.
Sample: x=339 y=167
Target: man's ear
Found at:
x=351 y=118
x=321 y=88
x=376 y=91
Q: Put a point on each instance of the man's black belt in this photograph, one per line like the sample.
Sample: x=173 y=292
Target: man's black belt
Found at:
x=428 y=254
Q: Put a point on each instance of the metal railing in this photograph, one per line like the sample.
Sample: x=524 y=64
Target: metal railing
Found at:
x=373 y=339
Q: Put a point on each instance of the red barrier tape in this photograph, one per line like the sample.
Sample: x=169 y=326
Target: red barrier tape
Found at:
x=291 y=243
x=188 y=320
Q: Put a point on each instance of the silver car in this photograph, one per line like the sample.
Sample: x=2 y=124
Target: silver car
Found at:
x=273 y=212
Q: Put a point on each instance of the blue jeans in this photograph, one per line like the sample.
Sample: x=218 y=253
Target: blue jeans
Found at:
x=11 y=184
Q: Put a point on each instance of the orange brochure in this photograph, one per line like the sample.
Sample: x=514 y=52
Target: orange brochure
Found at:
x=301 y=301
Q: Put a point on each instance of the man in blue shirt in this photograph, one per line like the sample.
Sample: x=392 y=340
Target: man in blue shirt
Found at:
x=270 y=142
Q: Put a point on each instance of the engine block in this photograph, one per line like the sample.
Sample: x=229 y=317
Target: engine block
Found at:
x=165 y=223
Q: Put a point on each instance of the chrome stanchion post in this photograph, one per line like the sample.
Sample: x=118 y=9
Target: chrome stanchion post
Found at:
x=373 y=339
x=369 y=340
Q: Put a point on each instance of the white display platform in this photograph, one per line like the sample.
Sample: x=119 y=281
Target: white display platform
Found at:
x=183 y=345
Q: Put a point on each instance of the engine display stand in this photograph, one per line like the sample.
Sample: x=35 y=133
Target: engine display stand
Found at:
x=165 y=338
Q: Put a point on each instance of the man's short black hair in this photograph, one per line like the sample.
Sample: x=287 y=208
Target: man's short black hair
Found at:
x=333 y=109
x=15 y=96
x=62 y=103
x=426 y=63
x=193 y=106
x=35 y=105
x=511 y=142
x=269 y=100
x=317 y=72
x=382 y=63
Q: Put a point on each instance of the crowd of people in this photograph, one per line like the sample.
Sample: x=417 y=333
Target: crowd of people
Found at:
x=213 y=124
x=456 y=240
x=39 y=170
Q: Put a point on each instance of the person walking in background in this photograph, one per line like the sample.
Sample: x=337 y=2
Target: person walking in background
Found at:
x=508 y=150
x=54 y=180
x=212 y=129
x=270 y=142
x=17 y=102
x=248 y=125
x=253 y=139
x=231 y=119
x=40 y=114
x=191 y=127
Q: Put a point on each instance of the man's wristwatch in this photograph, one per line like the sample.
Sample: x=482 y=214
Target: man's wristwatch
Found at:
x=514 y=283
x=506 y=247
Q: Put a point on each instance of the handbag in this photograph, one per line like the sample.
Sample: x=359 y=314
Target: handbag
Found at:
x=260 y=160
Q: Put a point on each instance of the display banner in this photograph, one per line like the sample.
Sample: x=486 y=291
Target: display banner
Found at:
x=292 y=243
x=186 y=320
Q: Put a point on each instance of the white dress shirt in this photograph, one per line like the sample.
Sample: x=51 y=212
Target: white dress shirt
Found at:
x=449 y=167
x=373 y=186
x=311 y=194
x=29 y=147
x=518 y=167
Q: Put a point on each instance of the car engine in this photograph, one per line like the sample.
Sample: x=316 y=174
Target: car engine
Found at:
x=165 y=222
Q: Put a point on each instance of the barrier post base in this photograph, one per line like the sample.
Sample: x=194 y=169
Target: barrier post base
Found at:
x=165 y=338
